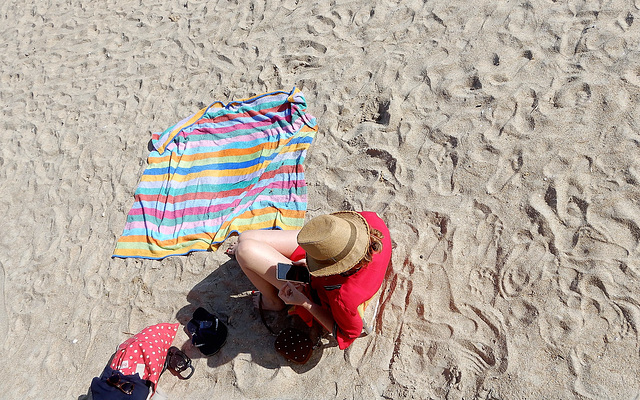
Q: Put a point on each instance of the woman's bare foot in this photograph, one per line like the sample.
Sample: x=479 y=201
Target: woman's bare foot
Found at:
x=231 y=250
x=267 y=305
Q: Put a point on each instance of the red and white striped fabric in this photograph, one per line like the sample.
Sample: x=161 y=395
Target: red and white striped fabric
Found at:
x=146 y=352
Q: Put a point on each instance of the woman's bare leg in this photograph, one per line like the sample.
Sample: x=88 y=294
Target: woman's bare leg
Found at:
x=258 y=252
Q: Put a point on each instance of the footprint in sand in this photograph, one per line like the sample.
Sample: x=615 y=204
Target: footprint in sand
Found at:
x=80 y=223
x=593 y=311
x=4 y=321
x=585 y=385
x=422 y=367
x=94 y=286
x=591 y=244
x=582 y=335
x=320 y=25
x=437 y=304
x=560 y=231
x=506 y=169
x=618 y=220
x=523 y=267
x=604 y=302
x=589 y=259
x=482 y=278
x=465 y=339
x=445 y=162
x=475 y=251
x=573 y=216
x=571 y=94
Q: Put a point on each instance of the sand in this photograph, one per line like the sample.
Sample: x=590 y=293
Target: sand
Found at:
x=499 y=140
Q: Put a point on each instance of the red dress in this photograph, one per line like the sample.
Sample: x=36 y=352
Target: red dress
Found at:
x=342 y=295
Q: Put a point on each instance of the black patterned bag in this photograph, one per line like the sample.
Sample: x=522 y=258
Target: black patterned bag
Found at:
x=293 y=344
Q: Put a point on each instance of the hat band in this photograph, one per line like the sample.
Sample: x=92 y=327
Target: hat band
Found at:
x=344 y=252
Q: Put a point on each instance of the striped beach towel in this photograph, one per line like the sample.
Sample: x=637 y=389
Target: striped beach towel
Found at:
x=228 y=168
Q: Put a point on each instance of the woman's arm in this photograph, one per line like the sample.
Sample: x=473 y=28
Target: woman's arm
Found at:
x=291 y=295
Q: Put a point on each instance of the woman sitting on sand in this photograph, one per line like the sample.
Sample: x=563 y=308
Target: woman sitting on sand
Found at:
x=347 y=254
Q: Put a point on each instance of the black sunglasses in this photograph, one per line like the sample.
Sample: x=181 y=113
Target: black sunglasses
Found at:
x=124 y=386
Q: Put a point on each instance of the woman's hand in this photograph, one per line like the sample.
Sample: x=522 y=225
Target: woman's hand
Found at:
x=290 y=294
x=302 y=262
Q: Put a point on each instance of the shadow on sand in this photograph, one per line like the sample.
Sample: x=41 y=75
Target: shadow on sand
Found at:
x=224 y=292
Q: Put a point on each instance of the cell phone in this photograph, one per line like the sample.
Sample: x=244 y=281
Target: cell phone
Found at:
x=293 y=273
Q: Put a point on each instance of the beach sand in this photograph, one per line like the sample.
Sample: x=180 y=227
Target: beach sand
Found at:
x=498 y=140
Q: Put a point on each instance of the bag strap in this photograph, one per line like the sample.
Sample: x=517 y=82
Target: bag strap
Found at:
x=264 y=321
x=316 y=345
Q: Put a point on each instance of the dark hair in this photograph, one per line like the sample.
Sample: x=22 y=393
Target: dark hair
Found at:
x=375 y=246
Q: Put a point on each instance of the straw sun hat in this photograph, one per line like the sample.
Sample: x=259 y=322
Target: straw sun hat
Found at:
x=335 y=242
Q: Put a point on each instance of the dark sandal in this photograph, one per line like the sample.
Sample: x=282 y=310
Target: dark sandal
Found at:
x=208 y=333
x=178 y=362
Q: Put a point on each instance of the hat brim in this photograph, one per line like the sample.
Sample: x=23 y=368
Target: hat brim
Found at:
x=360 y=238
